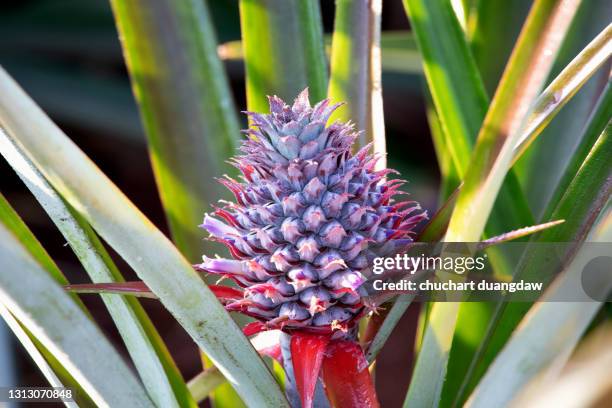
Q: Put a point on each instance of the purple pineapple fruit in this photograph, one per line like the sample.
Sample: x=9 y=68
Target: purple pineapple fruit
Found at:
x=309 y=217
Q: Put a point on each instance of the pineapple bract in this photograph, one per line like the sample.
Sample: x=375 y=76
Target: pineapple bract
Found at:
x=309 y=217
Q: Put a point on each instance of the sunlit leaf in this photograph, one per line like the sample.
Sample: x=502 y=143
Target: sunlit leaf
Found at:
x=505 y=120
x=580 y=205
x=519 y=233
x=564 y=86
x=60 y=325
x=461 y=102
x=356 y=70
x=283 y=50
x=156 y=261
x=157 y=370
x=37 y=357
x=558 y=139
x=569 y=80
x=522 y=81
x=530 y=349
x=204 y=383
x=185 y=105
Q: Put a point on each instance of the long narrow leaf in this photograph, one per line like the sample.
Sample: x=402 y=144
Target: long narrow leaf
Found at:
x=30 y=347
x=433 y=232
x=59 y=324
x=530 y=350
x=521 y=83
x=185 y=104
x=461 y=103
x=140 y=289
x=204 y=383
x=356 y=70
x=559 y=138
x=523 y=78
x=452 y=77
x=209 y=381
x=597 y=123
x=495 y=336
x=580 y=205
x=400 y=305
x=12 y=221
x=493 y=28
x=128 y=316
x=556 y=95
x=49 y=362
x=460 y=100
x=448 y=171
x=283 y=50
x=147 y=251
x=186 y=108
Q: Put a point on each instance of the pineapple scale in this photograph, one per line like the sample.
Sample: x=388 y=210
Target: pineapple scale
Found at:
x=308 y=219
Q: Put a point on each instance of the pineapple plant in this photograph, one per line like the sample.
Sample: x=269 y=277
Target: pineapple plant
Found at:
x=314 y=204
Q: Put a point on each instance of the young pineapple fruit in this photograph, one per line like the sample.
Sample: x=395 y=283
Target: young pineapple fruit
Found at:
x=308 y=219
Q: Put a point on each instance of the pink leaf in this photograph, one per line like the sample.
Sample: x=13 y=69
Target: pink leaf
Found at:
x=140 y=289
x=224 y=293
x=348 y=383
x=307 y=354
x=253 y=328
